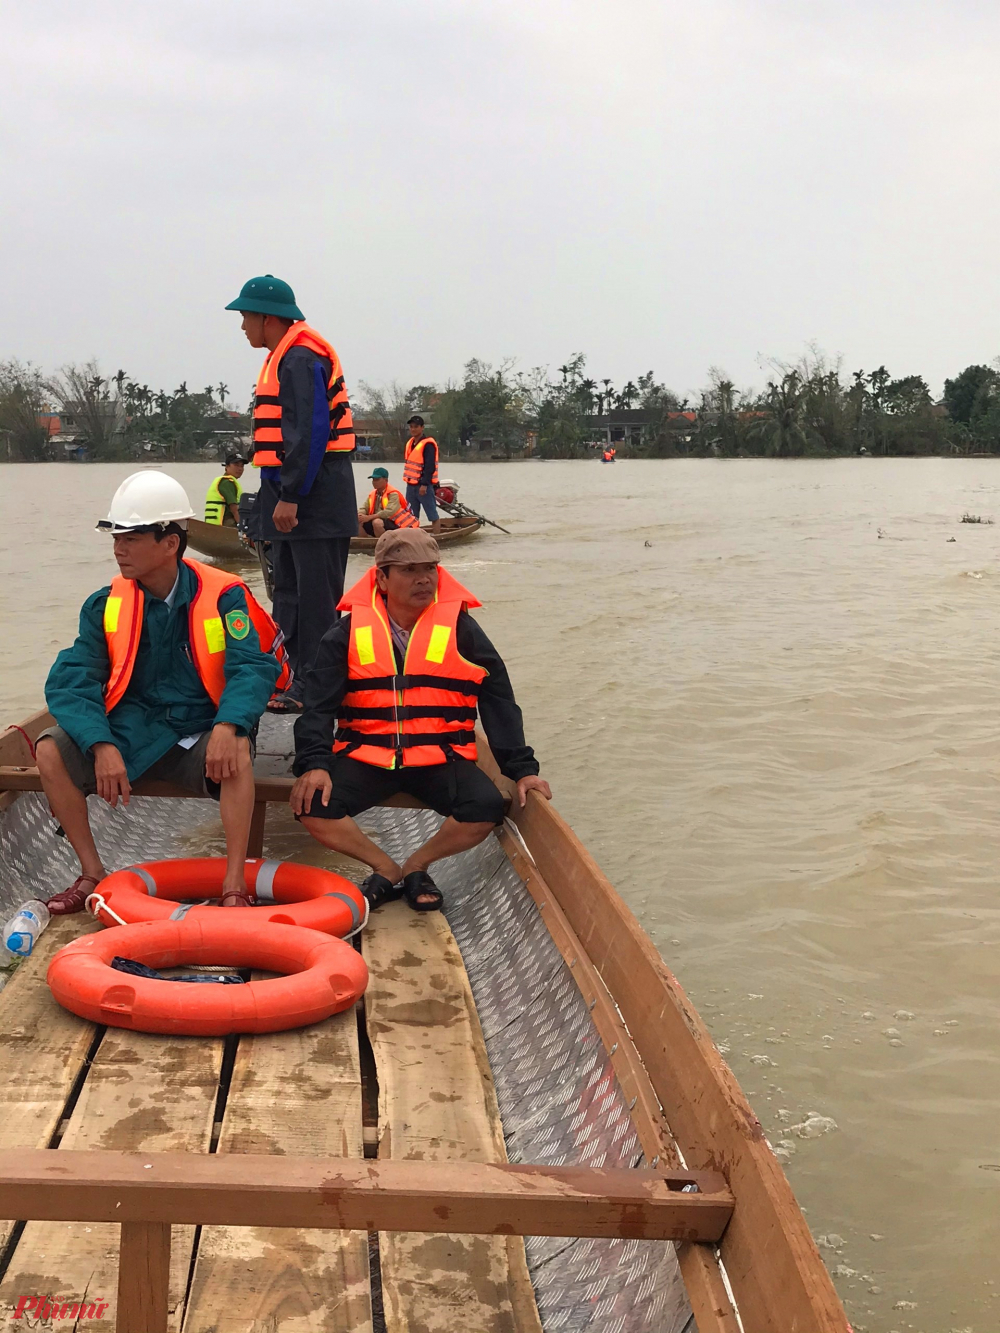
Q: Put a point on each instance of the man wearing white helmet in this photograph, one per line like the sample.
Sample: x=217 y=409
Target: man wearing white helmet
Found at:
x=172 y=668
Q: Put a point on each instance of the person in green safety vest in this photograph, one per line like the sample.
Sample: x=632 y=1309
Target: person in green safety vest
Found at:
x=222 y=503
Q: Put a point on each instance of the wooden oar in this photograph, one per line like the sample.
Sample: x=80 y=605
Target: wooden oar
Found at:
x=459 y=510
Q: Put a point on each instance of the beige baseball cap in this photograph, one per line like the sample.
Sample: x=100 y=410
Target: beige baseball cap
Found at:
x=406 y=546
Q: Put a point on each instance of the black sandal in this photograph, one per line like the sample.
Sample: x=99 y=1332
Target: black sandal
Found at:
x=284 y=703
x=418 y=884
x=378 y=891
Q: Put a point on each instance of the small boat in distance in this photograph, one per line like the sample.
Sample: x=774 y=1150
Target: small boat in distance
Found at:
x=225 y=543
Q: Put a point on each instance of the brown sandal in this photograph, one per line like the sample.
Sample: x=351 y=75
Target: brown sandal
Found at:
x=74 y=898
x=237 y=898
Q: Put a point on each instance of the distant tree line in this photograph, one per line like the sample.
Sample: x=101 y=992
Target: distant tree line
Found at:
x=807 y=409
x=109 y=418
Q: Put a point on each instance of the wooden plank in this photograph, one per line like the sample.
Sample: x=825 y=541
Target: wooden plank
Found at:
x=15 y=777
x=255 y=842
x=778 y=1279
x=291 y=1093
x=42 y=1048
x=437 y=1103
x=699 y=1264
x=143 y=1094
x=24 y=777
x=344 y=1193
x=13 y=747
x=143 y=1277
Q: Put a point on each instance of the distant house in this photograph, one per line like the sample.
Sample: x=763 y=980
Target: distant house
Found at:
x=64 y=435
x=369 y=433
x=631 y=425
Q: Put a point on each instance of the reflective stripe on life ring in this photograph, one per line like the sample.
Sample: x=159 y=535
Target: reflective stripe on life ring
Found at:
x=320 y=976
x=287 y=893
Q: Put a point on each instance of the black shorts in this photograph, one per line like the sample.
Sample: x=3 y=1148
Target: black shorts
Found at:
x=389 y=525
x=460 y=789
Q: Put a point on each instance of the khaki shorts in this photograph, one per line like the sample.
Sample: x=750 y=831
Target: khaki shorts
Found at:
x=184 y=768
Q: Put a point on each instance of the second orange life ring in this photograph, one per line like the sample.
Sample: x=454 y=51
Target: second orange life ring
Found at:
x=320 y=976
x=287 y=894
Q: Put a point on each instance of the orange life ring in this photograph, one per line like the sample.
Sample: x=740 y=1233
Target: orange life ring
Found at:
x=288 y=894
x=321 y=976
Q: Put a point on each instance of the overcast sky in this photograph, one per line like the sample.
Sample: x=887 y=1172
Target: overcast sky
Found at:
x=660 y=184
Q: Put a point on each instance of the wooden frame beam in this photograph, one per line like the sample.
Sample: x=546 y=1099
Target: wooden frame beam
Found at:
x=480 y=1198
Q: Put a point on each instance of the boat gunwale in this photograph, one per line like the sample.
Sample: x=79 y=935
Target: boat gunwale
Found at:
x=777 y=1276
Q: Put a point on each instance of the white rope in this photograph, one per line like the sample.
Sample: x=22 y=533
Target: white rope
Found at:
x=102 y=906
x=515 y=832
x=358 y=929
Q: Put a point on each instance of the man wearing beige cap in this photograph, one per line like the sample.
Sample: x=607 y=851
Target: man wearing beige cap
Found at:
x=390 y=706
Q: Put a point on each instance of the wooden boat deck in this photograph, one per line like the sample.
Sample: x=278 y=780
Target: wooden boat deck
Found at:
x=300 y=1093
x=592 y=1040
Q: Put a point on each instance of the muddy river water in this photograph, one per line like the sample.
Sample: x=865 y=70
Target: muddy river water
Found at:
x=767 y=696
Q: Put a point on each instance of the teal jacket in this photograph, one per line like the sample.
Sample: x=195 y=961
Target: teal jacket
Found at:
x=165 y=700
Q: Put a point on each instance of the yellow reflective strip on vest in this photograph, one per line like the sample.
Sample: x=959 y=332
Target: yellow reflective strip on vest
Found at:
x=363 y=645
x=112 y=610
x=438 y=645
x=215 y=635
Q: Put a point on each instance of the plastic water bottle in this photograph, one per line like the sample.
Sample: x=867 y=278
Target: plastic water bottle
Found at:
x=24 y=928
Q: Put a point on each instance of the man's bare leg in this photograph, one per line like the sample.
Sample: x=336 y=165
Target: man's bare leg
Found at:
x=69 y=806
x=236 y=799
x=343 y=835
x=450 y=838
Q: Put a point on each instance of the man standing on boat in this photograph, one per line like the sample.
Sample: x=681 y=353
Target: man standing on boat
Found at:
x=385 y=509
x=303 y=439
x=172 y=668
x=420 y=472
x=390 y=706
x=222 y=503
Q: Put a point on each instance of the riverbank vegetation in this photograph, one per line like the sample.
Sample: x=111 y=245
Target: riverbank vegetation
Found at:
x=78 y=412
x=808 y=409
x=811 y=408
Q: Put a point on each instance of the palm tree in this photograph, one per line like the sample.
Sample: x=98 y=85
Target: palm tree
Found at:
x=564 y=371
x=586 y=391
x=627 y=396
x=607 y=393
x=223 y=390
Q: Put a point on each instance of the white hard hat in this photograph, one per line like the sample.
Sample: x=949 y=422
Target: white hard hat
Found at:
x=145 y=499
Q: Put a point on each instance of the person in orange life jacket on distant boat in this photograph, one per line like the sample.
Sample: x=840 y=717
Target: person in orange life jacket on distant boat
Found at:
x=420 y=472
x=385 y=509
x=390 y=706
x=303 y=441
x=172 y=668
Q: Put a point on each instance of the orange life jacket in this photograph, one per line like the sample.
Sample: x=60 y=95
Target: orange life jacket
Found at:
x=424 y=715
x=413 y=463
x=267 y=438
x=206 y=632
x=404 y=516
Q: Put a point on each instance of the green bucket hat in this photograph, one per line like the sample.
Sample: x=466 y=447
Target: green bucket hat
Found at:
x=267 y=295
x=379 y=472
